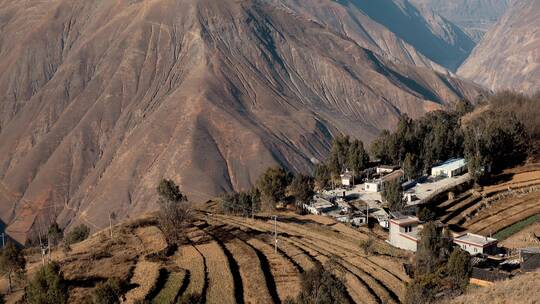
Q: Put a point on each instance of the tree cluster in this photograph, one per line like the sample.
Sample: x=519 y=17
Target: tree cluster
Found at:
x=344 y=155
x=418 y=144
x=493 y=141
x=47 y=287
x=440 y=269
x=241 y=203
x=272 y=185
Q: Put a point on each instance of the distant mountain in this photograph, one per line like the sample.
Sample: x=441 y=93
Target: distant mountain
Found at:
x=392 y=28
x=509 y=55
x=476 y=17
x=99 y=100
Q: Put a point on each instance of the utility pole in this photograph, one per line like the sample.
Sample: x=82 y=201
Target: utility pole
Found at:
x=110 y=224
x=275 y=233
x=367 y=214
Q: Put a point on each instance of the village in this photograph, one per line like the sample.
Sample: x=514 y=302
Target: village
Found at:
x=360 y=202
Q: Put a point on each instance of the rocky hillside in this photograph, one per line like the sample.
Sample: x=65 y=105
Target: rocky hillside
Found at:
x=476 y=17
x=509 y=55
x=101 y=99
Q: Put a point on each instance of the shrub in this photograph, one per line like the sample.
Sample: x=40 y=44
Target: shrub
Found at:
x=47 y=287
x=77 y=234
x=319 y=286
x=55 y=234
x=12 y=263
x=368 y=246
x=109 y=292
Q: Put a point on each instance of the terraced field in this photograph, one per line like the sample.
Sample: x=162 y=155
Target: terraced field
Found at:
x=229 y=259
x=497 y=206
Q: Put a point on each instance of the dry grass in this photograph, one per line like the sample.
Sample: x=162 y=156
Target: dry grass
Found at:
x=524 y=238
x=523 y=289
x=253 y=280
x=220 y=280
x=168 y=293
x=145 y=277
x=152 y=239
x=191 y=260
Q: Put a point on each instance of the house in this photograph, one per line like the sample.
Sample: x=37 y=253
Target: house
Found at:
x=385 y=169
x=377 y=185
x=347 y=179
x=373 y=185
x=382 y=217
x=319 y=206
x=476 y=244
x=450 y=168
x=344 y=206
x=404 y=232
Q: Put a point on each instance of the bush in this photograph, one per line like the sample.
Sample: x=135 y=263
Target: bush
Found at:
x=319 y=286
x=77 y=234
x=47 y=287
x=109 y=292
x=368 y=246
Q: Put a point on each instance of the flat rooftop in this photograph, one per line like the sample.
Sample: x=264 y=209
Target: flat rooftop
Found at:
x=453 y=163
x=403 y=220
x=475 y=239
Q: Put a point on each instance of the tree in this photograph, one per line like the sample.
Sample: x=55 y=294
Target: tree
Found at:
x=459 y=268
x=168 y=190
x=357 y=158
x=410 y=166
x=322 y=176
x=174 y=212
x=55 y=234
x=241 y=203
x=302 y=188
x=109 y=292
x=319 y=286
x=393 y=195
x=12 y=262
x=47 y=287
x=272 y=185
x=77 y=234
x=434 y=247
x=425 y=214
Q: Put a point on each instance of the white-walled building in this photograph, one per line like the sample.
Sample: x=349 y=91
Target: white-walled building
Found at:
x=347 y=179
x=476 y=244
x=404 y=232
x=450 y=168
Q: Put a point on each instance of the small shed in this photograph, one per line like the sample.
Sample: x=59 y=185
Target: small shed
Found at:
x=347 y=179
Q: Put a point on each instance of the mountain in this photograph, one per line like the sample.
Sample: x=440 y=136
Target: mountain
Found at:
x=393 y=28
x=509 y=55
x=101 y=99
x=476 y=17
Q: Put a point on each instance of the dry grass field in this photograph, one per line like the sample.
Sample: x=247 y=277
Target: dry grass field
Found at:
x=525 y=238
x=522 y=289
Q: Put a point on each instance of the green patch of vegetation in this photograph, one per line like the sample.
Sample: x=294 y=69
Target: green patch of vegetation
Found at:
x=108 y=292
x=77 y=234
x=47 y=287
x=517 y=227
x=169 y=292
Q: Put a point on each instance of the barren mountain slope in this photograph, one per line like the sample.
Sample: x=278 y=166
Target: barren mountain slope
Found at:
x=101 y=99
x=476 y=17
x=431 y=35
x=509 y=55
